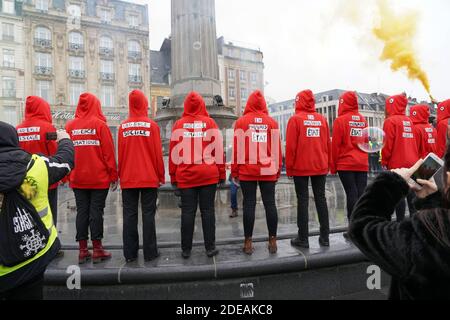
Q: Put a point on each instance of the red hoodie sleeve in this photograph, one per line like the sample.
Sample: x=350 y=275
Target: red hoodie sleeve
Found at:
x=386 y=153
x=442 y=138
x=234 y=162
x=158 y=154
x=107 y=147
x=330 y=155
x=292 y=135
x=172 y=165
x=336 y=145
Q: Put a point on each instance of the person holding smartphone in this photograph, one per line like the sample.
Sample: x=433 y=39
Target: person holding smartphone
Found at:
x=414 y=252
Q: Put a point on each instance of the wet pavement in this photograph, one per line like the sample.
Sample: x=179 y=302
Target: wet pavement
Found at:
x=168 y=217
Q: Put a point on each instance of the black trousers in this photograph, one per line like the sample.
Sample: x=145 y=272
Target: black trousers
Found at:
x=90 y=209
x=130 y=198
x=53 y=200
x=401 y=207
x=31 y=290
x=267 y=188
x=355 y=184
x=191 y=199
x=302 y=190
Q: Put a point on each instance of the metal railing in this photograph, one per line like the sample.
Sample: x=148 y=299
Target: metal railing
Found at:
x=134 y=79
x=107 y=76
x=106 y=51
x=9 y=93
x=44 y=43
x=79 y=74
x=46 y=71
x=136 y=55
x=76 y=46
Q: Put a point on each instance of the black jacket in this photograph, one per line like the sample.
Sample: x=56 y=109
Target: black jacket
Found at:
x=417 y=260
x=14 y=164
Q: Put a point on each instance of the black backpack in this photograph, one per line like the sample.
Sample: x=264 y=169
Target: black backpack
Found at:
x=22 y=232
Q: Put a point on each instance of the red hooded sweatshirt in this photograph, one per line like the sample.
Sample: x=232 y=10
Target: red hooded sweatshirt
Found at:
x=424 y=132
x=140 y=151
x=195 y=142
x=257 y=154
x=400 y=149
x=308 y=144
x=33 y=130
x=443 y=128
x=95 y=162
x=347 y=130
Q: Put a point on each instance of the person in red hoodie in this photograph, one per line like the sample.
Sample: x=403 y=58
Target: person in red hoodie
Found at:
x=196 y=166
x=141 y=173
x=424 y=132
x=33 y=138
x=443 y=128
x=349 y=160
x=257 y=160
x=95 y=172
x=308 y=155
x=400 y=148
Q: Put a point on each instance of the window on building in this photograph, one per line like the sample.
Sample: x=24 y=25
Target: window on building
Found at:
x=133 y=20
x=232 y=93
x=75 y=91
x=244 y=94
x=44 y=90
x=42 y=5
x=8 y=7
x=8 y=58
x=10 y=115
x=105 y=16
x=231 y=74
x=8 y=31
x=134 y=49
x=43 y=33
x=254 y=77
x=106 y=66
x=134 y=69
x=243 y=75
x=76 y=63
x=107 y=96
x=76 y=38
x=43 y=60
x=106 y=43
x=9 y=87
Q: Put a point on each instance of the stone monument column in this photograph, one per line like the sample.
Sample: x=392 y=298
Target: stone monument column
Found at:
x=195 y=64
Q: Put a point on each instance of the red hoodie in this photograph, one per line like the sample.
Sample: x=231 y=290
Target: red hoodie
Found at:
x=33 y=130
x=195 y=141
x=95 y=163
x=424 y=132
x=257 y=154
x=347 y=130
x=140 y=151
x=443 y=128
x=400 y=149
x=308 y=144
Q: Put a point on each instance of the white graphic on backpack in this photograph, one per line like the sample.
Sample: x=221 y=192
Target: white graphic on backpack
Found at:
x=33 y=243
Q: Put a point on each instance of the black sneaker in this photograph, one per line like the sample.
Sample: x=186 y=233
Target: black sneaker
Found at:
x=300 y=243
x=212 y=253
x=324 y=242
x=131 y=260
x=154 y=257
x=346 y=236
x=186 y=254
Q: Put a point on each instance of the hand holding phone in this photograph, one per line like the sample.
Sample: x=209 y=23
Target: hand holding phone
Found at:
x=427 y=170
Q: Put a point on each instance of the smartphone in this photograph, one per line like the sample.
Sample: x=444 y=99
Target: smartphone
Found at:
x=51 y=136
x=430 y=167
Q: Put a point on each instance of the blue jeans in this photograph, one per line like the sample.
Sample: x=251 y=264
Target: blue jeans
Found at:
x=233 y=191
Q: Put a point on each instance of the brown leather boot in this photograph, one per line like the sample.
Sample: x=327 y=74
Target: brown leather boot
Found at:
x=248 y=246
x=273 y=248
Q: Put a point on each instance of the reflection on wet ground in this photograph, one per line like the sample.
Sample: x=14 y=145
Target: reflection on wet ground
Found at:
x=168 y=215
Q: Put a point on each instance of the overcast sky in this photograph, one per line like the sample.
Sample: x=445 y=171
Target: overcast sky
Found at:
x=326 y=44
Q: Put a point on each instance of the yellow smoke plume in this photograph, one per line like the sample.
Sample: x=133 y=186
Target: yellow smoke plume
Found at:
x=397 y=32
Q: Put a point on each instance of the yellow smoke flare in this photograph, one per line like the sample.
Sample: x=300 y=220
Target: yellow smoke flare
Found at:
x=397 y=33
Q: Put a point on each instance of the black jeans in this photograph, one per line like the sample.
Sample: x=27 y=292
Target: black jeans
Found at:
x=302 y=190
x=53 y=201
x=31 y=290
x=354 y=185
x=90 y=209
x=268 y=196
x=190 y=200
x=130 y=198
x=401 y=207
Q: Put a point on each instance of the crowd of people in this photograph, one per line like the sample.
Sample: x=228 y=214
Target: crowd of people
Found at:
x=196 y=167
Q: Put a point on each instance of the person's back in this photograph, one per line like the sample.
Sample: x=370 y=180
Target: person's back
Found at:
x=443 y=127
x=424 y=132
x=94 y=148
x=308 y=147
x=400 y=149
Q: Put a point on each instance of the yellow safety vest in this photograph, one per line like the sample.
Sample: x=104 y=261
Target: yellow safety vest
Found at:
x=35 y=189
